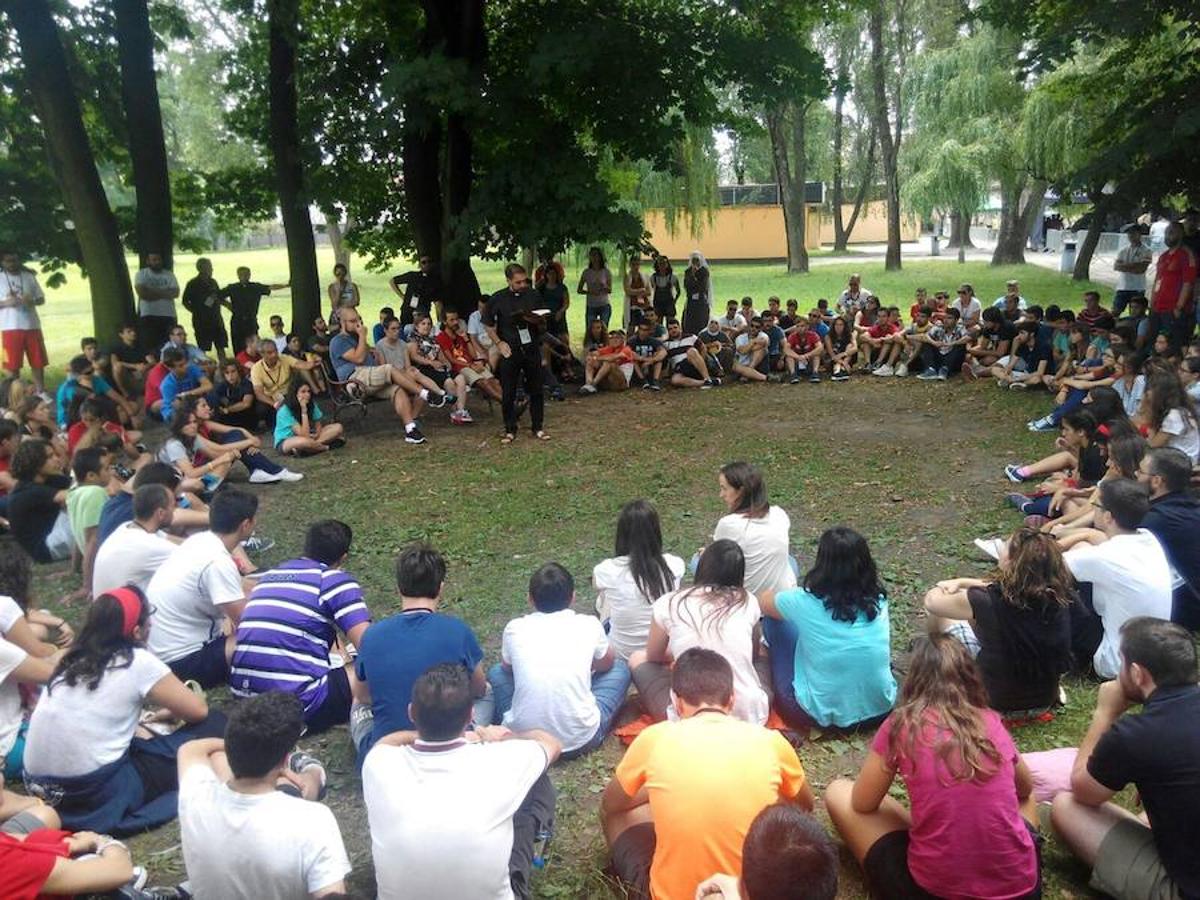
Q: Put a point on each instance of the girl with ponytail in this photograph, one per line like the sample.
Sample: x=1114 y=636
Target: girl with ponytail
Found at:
x=86 y=753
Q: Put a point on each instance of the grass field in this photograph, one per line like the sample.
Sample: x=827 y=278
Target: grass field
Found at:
x=66 y=317
x=916 y=467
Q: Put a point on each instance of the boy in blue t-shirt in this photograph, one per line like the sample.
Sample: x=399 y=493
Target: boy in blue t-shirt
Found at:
x=398 y=650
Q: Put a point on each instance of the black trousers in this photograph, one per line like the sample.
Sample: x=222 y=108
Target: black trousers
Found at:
x=154 y=331
x=527 y=362
x=934 y=359
x=535 y=814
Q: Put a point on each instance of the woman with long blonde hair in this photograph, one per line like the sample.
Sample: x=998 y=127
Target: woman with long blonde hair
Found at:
x=970 y=831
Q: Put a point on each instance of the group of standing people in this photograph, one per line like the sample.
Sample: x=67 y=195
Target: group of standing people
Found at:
x=659 y=290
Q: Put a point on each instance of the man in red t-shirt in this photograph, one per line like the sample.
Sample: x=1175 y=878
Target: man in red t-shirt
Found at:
x=457 y=349
x=1171 y=300
x=803 y=347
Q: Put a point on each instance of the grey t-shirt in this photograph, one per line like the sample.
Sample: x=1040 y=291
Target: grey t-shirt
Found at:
x=161 y=280
x=597 y=279
x=395 y=355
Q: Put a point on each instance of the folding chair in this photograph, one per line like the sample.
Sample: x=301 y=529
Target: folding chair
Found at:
x=345 y=395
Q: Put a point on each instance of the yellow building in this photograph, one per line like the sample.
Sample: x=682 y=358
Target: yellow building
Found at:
x=755 y=231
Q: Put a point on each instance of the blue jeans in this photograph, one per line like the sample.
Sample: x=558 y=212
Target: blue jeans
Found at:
x=608 y=689
x=251 y=459
x=603 y=313
x=781 y=638
x=1073 y=402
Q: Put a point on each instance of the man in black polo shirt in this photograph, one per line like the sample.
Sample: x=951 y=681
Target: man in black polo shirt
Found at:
x=1159 y=752
x=422 y=289
x=1174 y=518
x=517 y=334
x=244 y=297
x=202 y=298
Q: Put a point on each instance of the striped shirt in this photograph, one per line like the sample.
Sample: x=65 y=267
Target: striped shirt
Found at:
x=288 y=627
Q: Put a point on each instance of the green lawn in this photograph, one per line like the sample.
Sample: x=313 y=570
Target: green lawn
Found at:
x=916 y=467
x=66 y=317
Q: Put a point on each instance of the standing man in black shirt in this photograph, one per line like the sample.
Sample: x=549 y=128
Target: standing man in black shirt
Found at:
x=244 y=297
x=202 y=298
x=517 y=333
x=1159 y=752
x=421 y=289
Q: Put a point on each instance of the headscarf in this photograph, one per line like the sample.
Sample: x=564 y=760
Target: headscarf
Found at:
x=704 y=265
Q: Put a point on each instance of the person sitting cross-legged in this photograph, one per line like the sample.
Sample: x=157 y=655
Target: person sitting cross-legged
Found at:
x=970 y=829
x=686 y=359
x=395 y=651
x=249 y=822
x=85 y=747
x=803 y=350
x=456 y=813
x=649 y=354
x=298 y=427
x=785 y=847
x=557 y=670
x=198 y=588
x=750 y=352
x=687 y=790
x=289 y=625
x=1152 y=855
x=136 y=550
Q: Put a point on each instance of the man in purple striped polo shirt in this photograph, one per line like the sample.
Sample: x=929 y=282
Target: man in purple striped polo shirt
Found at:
x=291 y=622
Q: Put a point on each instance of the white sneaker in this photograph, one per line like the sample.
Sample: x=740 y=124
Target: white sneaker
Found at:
x=902 y=370
x=258 y=476
x=990 y=546
x=884 y=371
x=289 y=475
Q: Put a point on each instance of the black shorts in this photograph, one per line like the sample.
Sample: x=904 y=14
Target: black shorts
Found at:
x=886 y=869
x=437 y=376
x=207 y=665
x=335 y=709
x=632 y=854
x=687 y=370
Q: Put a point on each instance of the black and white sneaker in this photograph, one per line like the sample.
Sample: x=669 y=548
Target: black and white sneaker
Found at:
x=438 y=401
x=414 y=436
x=653 y=385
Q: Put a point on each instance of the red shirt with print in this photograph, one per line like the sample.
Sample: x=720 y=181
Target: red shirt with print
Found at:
x=1175 y=269
x=457 y=349
x=803 y=342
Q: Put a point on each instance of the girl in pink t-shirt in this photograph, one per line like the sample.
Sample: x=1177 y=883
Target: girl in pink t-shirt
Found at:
x=969 y=833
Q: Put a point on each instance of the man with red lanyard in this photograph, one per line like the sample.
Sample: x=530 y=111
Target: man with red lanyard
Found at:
x=22 y=331
x=1171 y=302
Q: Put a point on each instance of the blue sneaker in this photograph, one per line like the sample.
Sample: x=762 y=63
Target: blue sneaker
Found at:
x=1018 y=500
x=1043 y=424
x=1014 y=473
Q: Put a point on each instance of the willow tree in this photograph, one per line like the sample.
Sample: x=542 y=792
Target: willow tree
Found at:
x=946 y=177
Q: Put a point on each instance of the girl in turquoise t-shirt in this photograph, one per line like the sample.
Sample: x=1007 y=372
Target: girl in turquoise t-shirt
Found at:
x=298 y=428
x=830 y=639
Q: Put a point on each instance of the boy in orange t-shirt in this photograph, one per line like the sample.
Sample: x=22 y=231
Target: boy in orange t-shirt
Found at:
x=681 y=802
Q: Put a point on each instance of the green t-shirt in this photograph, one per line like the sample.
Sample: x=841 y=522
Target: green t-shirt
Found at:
x=84 y=503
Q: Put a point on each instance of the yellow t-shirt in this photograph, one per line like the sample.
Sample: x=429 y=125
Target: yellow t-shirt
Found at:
x=707 y=777
x=274 y=382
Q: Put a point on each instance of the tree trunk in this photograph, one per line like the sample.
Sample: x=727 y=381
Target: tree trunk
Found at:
x=960 y=231
x=789 y=173
x=860 y=196
x=144 y=126
x=58 y=110
x=889 y=143
x=337 y=236
x=283 y=33
x=1083 y=260
x=839 y=101
x=1019 y=201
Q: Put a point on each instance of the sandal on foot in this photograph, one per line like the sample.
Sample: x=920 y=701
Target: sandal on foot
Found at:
x=508 y=438
x=541 y=435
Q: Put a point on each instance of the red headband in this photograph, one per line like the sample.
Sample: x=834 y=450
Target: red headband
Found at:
x=131 y=608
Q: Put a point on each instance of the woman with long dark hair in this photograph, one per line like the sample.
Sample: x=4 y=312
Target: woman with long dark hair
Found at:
x=634 y=577
x=969 y=831
x=298 y=428
x=830 y=640
x=1017 y=625
x=666 y=289
x=595 y=283
x=716 y=613
x=1170 y=415
x=86 y=750
x=762 y=531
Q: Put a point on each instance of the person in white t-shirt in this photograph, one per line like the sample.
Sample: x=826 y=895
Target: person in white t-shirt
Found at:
x=1128 y=572
x=716 y=613
x=137 y=549
x=86 y=747
x=1131 y=264
x=156 y=288
x=968 y=306
x=198 y=588
x=627 y=583
x=20 y=328
x=251 y=784
x=456 y=814
x=557 y=670
x=762 y=531
x=1170 y=414
x=20 y=662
